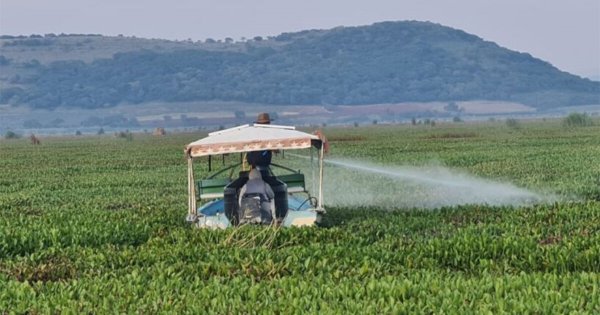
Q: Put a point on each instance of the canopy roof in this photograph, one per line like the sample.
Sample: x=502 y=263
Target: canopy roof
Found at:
x=254 y=137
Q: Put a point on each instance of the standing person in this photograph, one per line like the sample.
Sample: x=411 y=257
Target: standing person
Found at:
x=260 y=159
x=256 y=200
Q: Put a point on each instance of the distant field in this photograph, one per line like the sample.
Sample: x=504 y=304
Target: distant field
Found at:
x=211 y=115
x=96 y=224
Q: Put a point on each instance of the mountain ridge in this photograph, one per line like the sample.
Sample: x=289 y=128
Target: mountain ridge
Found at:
x=386 y=62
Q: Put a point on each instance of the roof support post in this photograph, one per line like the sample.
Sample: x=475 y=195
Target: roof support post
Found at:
x=313 y=172
x=321 y=157
x=191 y=188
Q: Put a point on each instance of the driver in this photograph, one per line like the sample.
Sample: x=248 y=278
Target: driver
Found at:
x=261 y=159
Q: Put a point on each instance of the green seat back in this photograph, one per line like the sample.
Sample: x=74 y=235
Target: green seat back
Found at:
x=212 y=188
x=294 y=182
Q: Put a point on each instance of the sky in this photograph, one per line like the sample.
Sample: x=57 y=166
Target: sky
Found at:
x=564 y=33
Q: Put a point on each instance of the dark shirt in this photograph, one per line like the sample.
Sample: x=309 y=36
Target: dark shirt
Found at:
x=259 y=158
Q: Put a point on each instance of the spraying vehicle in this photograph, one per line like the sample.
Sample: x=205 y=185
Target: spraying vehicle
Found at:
x=293 y=204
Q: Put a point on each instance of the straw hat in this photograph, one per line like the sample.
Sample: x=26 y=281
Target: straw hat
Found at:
x=263 y=118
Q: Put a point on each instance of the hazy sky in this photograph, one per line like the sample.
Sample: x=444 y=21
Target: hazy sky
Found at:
x=564 y=32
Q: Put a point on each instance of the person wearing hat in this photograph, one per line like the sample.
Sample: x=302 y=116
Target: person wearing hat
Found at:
x=263 y=118
x=260 y=159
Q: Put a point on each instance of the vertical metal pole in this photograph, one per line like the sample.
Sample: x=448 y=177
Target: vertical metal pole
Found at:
x=313 y=183
x=210 y=163
x=191 y=187
x=321 y=155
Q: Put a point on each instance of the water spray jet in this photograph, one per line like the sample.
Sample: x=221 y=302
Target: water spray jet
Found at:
x=357 y=183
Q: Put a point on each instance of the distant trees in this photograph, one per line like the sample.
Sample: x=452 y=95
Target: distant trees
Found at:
x=452 y=107
x=32 y=42
x=117 y=120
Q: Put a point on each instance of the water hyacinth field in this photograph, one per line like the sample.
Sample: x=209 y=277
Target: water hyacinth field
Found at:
x=95 y=224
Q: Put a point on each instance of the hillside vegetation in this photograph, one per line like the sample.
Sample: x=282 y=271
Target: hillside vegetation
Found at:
x=390 y=62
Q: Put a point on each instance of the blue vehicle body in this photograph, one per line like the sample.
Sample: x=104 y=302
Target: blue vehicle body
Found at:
x=213 y=207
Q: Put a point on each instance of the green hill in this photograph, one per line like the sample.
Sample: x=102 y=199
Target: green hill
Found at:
x=389 y=62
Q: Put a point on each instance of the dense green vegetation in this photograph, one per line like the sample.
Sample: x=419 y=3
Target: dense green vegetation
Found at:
x=382 y=63
x=96 y=224
x=578 y=120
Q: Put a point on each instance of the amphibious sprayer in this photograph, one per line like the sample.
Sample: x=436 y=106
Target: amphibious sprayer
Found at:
x=293 y=204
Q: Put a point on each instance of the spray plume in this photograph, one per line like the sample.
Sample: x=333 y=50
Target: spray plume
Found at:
x=355 y=183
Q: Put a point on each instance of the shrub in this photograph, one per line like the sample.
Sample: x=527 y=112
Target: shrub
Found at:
x=124 y=135
x=11 y=135
x=513 y=123
x=577 y=120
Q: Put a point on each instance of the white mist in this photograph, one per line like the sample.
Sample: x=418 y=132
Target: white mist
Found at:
x=354 y=183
